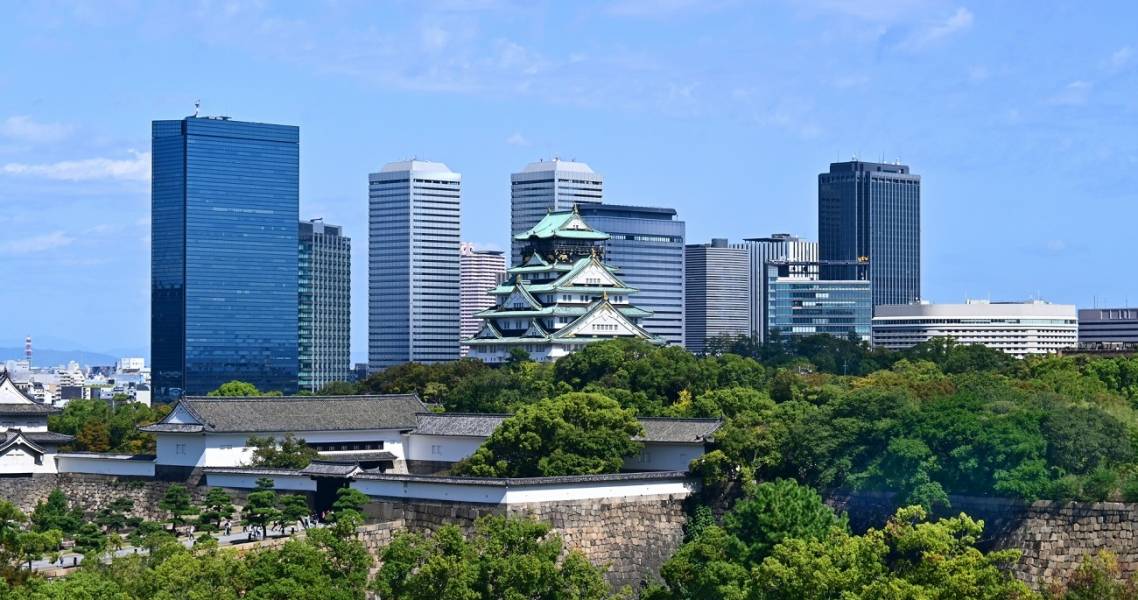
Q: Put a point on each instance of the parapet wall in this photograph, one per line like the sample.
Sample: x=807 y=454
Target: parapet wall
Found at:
x=1053 y=537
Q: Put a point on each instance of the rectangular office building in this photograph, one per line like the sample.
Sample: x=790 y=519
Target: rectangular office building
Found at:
x=224 y=213
x=413 y=264
x=871 y=212
x=325 y=290
x=717 y=293
x=1108 y=328
x=646 y=244
x=799 y=304
x=777 y=247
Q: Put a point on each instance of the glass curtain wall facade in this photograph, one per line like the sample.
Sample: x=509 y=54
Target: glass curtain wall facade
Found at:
x=800 y=304
x=325 y=288
x=717 y=293
x=548 y=186
x=646 y=244
x=777 y=247
x=871 y=212
x=225 y=203
x=413 y=264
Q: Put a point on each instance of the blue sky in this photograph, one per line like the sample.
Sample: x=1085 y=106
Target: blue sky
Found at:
x=1021 y=118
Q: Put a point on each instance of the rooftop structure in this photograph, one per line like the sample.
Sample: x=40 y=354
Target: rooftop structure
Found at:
x=562 y=297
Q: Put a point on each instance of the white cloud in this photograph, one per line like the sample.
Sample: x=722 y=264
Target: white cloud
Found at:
x=434 y=38
x=131 y=169
x=22 y=127
x=1073 y=94
x=1121 y=59
x=38 y=243
x=957 y=22
x=517 y=139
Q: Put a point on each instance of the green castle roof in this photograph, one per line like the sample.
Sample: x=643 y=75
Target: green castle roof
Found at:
x=566 y=224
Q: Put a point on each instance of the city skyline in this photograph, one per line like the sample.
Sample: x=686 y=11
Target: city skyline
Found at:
x=1025 y=159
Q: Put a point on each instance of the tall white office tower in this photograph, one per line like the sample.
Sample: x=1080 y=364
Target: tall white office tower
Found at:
x=779 y=247
x=413 y=264
x=548 y=186
x=481 y=271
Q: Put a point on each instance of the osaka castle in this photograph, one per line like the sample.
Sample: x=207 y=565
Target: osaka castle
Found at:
x=560 y=298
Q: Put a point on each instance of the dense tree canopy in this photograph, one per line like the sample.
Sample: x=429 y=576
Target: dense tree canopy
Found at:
x=572 y=434
x=507 y=558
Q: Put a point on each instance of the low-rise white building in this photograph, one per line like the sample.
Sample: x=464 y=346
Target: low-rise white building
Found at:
x=26 y=446
x=1017 y=328
x=214 y=432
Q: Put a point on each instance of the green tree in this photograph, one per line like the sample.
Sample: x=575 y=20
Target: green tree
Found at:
x=261 y=506
x=349 y=500
x=572 y=434
x=236 y=388
x=508 y=558
x=54 y=513
x=95 y=436
x=177 y=503
x=217 y=506
x=774 y=511
x=338 y=388
x=291 y=453
x=294 y=507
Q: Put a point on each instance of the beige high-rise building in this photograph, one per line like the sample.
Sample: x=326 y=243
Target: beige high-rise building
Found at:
x=479 y=272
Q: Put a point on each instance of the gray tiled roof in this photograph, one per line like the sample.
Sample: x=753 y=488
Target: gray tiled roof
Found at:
x=661 y=429
x=28 y=409
x=171 y=428
x=356 y=457
x=459 y=424
x=49 y=438
x=299 y=413
x=656 y=429
x=325 y=468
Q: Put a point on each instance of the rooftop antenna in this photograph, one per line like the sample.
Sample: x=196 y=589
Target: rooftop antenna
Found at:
x=197 y=107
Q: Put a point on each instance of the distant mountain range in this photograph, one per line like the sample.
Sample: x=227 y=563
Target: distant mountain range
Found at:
x=48 y=357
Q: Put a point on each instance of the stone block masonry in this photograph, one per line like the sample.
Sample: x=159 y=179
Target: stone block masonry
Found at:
x=93 y=492
x=1053 y=537
x=632 y=537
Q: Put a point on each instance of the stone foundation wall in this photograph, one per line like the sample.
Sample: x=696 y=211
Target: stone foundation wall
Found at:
x=92 y=492
x=631 y=537
x=1053 y=537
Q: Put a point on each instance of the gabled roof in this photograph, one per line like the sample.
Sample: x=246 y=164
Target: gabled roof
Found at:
x=601 y=308
x=488 y=332
x=16 y=437
x=292 y=414
x=656 y=429
x=519 y=290
x=13 y=401
x=535 y=330
x=565 y=281
x=565 y=224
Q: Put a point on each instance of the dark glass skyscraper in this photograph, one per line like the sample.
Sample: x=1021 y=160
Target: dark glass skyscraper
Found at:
x=225 y=204
x=871 y=212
